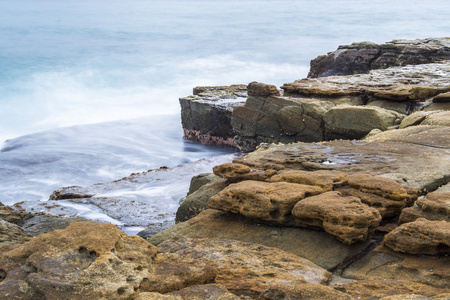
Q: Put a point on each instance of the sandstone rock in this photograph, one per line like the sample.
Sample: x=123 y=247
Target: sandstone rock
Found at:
x=304 y=292
x=43 y=223
x=386 y=195
x=444 y=97
x=205 y=116
x=85 y=260
x=362 y=57
x=355 y=122
x=243 y=268
x=12 y=215
x=197 y=202
x=322 y=178
x=206 y=291
x=271 y=202
x=10 y=233
x=317 y=246
x=380 y=288
x=234 y=172
x=347 y=218
x=415 y=156
x=434 y=207
x=439 y=118
x=420 y=237
x=416 y=118
x=261 y=89
x=200 y=180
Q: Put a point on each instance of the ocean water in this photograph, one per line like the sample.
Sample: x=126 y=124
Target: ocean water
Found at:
x=89 y=89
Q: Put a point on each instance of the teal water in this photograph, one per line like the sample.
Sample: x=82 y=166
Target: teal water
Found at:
x=70 y=63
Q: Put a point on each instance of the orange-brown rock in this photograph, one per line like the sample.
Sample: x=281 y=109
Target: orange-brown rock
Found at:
x=323 y=178
x=243 y=268
x=378 y=288
x=83 y=261
x=302 y=292
x=420 y=237
x=386 y=195
x=235 y=172
x=205 y=291
x=266 y=201
x=347 y=218
x=435 y=207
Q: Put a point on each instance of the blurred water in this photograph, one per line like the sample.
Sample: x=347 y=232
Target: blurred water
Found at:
x=69 y=63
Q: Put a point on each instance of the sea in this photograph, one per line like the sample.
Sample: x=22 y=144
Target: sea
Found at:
x=89 y=89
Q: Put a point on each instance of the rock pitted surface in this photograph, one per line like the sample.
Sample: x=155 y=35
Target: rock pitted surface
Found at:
x=434 y=207
x=362 y=57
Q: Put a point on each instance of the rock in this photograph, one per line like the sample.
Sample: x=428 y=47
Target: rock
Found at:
x=317 y=246
x=10 y=233
x=205 y=291
x=205 y=116
x=434 y=207
x=439 y=118
x=233 y=172
x=304 y=292
x=265 y=201
x=71 y=192
x=415 y=156
x=261 y=89
x=380 y=288
x=420 y=237
x=85 y=260
x=347 y=218
x=386 y=195
x=197 y=202
x=200 y=180
x=11 y=215
x=444 y=97
x=243 y=268
x=416 y=118
x=355 y=122
x=382 y=262
x=365 y=56
x=322 y=178
x=43 y=223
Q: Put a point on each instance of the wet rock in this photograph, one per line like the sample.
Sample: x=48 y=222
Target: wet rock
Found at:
x=317 y=246
x=206 y=291
x=200 y=180
x=11 y=233
x=347 y=218
x=43 y=223
x=302 y=292
x=380 y=288
x=243 y=268
x=197 y=202
x=355 y=122
x=71 y=192
x=322 y=178
x=271 y=202
x=85 y=260
x=434 y=207
x=365 y=56
x=421 y=236
x=11 y=215
x=205 y=116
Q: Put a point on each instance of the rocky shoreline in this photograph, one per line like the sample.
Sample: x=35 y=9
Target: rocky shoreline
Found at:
x=344 y=194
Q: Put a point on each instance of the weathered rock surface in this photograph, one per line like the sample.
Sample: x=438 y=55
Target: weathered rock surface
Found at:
x=205 y=116
x=265 y=201
x=85 y=260
x=243 y=268
x=303 y=292
x=205 y=291
x=436 y=118
x=434 y=207
x=347 y=218
x=365 y=56
x=421 y=236
x=380 y=288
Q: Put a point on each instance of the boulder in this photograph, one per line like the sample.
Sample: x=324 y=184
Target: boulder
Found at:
x=243 y=268
x=265 y=201
x=364 y=56
x=205 y=116
x=421 y=236
x=347 y=218
x=436 y=118
x=355 y=122
x=200 y=180
x=261 y=89
x=85 y=260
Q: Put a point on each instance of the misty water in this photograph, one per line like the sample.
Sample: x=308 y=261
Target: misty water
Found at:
x=89 y=89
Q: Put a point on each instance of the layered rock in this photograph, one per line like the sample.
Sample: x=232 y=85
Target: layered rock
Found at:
x=206 y=114
x=434 y=207
x=362 y=57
